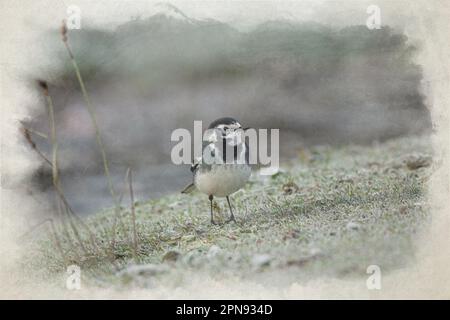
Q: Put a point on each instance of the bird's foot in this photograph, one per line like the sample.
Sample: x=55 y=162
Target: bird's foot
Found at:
x=231 y=219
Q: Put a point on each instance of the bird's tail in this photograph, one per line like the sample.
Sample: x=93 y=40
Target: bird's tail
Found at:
x=188 y=188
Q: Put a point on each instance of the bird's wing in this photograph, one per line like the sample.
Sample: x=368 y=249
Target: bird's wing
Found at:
x=189 y=188
x=194 y=166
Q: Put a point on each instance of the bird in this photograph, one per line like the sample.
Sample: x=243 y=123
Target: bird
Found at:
x=224 y=165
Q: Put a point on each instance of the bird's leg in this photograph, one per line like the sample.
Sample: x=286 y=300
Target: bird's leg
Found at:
x=212 y=216
x=231 y=211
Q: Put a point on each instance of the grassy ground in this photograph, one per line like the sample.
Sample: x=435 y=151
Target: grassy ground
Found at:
x=331 y=212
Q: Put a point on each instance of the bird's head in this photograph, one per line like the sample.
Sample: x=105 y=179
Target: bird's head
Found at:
x=228 y=129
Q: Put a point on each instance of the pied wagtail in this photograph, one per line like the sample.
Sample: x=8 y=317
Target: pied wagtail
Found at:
x=224 y=166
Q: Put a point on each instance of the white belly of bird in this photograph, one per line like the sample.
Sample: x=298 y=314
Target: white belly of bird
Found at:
x=222 y=180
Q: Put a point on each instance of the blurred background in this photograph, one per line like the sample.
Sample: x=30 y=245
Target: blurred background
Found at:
x=318 y=84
